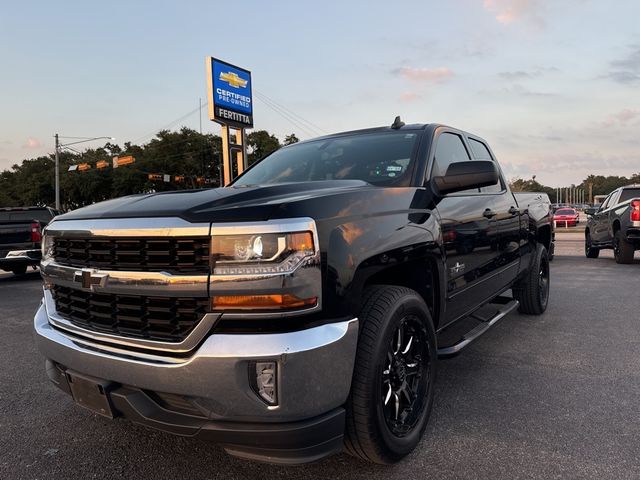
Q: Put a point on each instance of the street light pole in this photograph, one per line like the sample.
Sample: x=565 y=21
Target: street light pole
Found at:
x=57 y=174
x=67 y=145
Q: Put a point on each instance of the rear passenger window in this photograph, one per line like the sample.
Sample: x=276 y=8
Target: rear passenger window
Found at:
x=481 y=152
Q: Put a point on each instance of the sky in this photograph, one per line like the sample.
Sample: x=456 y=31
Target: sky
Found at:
x=552 y=85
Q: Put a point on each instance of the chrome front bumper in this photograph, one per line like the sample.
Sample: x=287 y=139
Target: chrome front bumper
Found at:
x=314 y=369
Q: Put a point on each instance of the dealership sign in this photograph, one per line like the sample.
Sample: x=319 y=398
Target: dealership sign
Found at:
x=230 y=100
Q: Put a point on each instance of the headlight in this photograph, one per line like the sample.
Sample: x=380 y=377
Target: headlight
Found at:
x=46 y=246
x=267 y=268
x=270 y=253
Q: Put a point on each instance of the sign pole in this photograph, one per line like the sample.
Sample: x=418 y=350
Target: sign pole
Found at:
x=240 y=157
x=226 y=157
x=57 y=174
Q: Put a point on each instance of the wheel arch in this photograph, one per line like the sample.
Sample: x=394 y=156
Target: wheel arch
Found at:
x=616 y=225
x=423 y=275
x=544 y=236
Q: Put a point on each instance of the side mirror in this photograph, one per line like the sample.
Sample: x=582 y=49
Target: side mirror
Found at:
x=590 y=211
x=465 y=175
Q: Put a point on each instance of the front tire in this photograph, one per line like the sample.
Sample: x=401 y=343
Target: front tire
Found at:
x=622 y=250
x=393 y=381
x=589 y=250
x=533 y=291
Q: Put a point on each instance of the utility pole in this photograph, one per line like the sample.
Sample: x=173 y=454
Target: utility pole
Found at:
x=57 y=186
x=200 y=113
x=67 y=145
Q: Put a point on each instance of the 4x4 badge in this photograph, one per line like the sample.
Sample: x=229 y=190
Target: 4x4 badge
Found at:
x=457 y=268
x=88 y=278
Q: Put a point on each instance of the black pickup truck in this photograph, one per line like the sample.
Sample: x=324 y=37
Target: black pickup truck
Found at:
x=301 y=309
x=615 y=224
x=20 y=233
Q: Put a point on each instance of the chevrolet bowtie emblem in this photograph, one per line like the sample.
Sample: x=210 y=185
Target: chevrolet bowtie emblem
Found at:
x=233 y=79
x=88 y=278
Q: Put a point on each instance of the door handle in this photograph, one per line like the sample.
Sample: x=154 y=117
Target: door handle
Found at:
x=488 y=213
x=513 y=211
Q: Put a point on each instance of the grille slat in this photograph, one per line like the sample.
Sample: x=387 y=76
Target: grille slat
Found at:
x=173 y=255
x=153 y=318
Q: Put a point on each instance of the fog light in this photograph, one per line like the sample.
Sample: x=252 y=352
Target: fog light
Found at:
x=266 y=381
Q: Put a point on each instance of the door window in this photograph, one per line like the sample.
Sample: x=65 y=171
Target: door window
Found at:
x=449 y=149
x=481 y=152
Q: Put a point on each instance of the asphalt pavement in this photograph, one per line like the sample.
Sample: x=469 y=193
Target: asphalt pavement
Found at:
x=556 y=396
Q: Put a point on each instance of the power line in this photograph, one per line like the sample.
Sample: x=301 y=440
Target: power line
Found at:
x=171 y=124
x=288 y=117
x=308 y=127
x=292 y=113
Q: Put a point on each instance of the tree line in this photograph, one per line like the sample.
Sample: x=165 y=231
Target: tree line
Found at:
x=600 y=185
x=190 y=159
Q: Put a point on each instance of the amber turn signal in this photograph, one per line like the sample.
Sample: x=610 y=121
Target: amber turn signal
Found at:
x=262 y=302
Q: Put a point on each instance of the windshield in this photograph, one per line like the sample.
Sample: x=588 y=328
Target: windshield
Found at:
x=377 y=158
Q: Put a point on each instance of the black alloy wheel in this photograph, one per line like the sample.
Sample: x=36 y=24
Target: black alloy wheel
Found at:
x=622 y=250
x=405 y=376
x=589 y=250
x=19 y=270
x=393 y=377
x=543 y=283
x=533 y=290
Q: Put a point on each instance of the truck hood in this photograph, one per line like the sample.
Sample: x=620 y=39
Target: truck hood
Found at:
x=251 y=203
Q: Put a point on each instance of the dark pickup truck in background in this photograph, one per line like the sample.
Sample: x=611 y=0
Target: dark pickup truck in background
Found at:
x=301 y=309
x=20 y=234
x=615 y=224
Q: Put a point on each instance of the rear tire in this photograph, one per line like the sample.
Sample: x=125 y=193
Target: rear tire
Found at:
x=589 y=250
x=622 y=250
x=533 y=291
x=19 y=270
x=393 y=381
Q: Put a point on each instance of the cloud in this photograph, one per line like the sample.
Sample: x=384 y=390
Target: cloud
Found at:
x=518 y=90
x=626 y=70
x=32 y=144
x=519 y=75
x=621 y=118
x=526 y=75
x=424 y=75
x=510 y=11
x=409 y=97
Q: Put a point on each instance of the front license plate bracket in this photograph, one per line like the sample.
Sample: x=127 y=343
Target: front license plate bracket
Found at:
x=91 y=393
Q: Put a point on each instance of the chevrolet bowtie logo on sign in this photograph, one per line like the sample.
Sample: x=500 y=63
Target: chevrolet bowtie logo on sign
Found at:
x=233 y=79
x=229 y=94
x=88 y=278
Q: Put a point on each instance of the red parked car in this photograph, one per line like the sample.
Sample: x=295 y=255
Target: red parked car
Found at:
x=566 y=217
